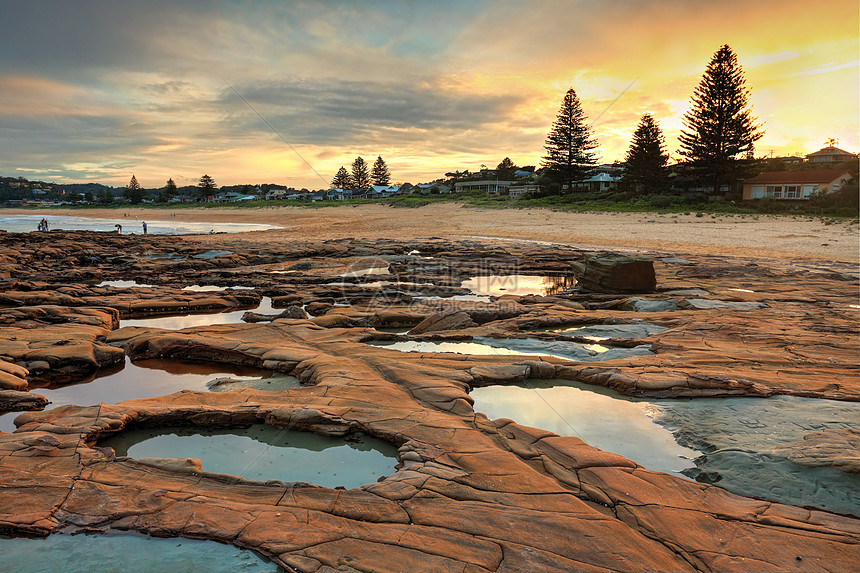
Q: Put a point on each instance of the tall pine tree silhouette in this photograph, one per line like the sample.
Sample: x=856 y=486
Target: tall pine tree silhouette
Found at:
x=343 y=180
x=360 y=175
x=569 y=145
x=645 y=170
x=380 y=175
x=720 y=129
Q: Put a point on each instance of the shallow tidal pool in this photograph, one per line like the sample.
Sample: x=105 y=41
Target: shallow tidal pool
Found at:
x=733 y=443
x=484 y=346
x=152 y=378
x=599 y=417
x=124 y=553
x=262 y=452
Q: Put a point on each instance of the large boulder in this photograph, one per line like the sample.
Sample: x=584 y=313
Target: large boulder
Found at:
x=615 y=273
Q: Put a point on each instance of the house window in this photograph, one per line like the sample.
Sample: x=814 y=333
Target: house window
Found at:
x=791 y=192
x=757 y=192
x=809 y=190
x=774 y=191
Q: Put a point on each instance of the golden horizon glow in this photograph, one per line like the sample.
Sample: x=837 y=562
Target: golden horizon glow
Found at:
x=429 y=90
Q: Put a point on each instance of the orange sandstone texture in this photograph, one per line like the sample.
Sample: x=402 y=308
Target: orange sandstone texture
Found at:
x=468 y=493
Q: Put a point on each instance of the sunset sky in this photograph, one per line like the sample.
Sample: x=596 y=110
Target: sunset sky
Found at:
x=100 y=90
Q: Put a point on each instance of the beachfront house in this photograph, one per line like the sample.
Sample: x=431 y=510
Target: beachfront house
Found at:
x=433 y=188
x=794 y=185
x=382 y=191
x=276 y=195
x=517 y=191
x=597 y=182
x=490 y=186
x=233 y=197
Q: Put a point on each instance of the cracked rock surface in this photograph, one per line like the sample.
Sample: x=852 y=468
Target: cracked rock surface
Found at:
x=468 y=493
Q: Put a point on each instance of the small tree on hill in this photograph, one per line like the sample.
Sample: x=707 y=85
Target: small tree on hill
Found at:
x=505 y=170
x=380 y=175
x=206 y=187
x=720 y=129
x=133 y=191
x=169 y=192
x=646 y=160
x=569 y=145
x=360 y=175
x=342 y=180
x=104 y=196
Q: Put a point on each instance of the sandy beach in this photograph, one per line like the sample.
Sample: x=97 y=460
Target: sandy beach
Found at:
x=782 y=237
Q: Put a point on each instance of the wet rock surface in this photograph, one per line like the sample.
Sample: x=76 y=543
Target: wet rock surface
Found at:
x=469 y=493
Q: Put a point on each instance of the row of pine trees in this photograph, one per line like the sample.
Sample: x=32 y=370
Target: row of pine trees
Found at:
x=717 y=139
x=360 y=177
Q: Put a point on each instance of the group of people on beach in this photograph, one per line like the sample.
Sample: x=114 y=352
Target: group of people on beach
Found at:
x=119 y=228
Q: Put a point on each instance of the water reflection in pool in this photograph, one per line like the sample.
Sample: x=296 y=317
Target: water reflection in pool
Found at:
x=594 y=414
x=127 y=552
x=487 y=346
x=148 y=379
x=189 y=320
x=124 y=284
x=733 y=443
x=263 y=452
x=497 y=285
x=604 y=331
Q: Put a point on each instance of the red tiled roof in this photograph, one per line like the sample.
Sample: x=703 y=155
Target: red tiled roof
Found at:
x=800 y=177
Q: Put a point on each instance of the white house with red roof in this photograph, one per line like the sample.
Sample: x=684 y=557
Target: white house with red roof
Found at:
x=794 y=185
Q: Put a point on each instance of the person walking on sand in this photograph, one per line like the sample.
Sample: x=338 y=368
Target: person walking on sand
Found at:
x=144 y=227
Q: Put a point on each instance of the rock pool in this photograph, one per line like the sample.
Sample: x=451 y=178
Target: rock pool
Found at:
x=262 y=452
x=127 y=552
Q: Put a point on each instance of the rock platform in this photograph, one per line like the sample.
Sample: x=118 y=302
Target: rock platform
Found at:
x=468 y=494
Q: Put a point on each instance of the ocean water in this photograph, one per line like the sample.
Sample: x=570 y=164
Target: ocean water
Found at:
x=70 y=222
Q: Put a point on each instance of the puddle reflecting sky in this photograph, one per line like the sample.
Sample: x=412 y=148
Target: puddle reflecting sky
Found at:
x=127 y=553
x=189 y=320
x=736 y=437
x=264 y=452
x=124 y=284
x=487 y=346
x=457 y=347
x=604 y=421
x=497 y=285
x=140 y=379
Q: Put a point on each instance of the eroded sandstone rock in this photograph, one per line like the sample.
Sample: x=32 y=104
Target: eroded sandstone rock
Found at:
x=615 y=273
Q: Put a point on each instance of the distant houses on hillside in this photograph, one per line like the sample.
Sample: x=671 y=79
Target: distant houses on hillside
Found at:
x=830 y=155
x=795 y=178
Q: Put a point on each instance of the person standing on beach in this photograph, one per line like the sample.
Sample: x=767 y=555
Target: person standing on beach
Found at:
x=144 y=227
x=118 y=229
